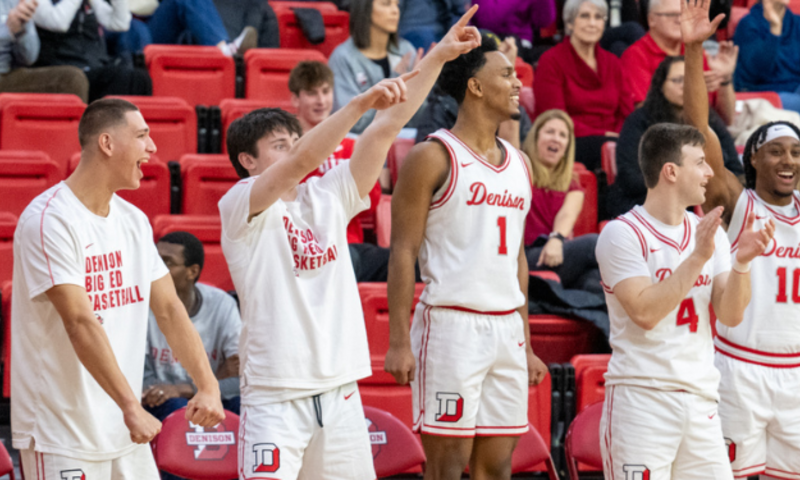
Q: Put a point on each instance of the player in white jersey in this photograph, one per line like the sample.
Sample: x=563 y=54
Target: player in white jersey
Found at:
x=760 y=359
x=303 y=343
x=662 y=268
x=460 y=203
x=85 y=272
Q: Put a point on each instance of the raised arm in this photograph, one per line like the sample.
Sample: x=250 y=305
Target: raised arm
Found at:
x=723 y=188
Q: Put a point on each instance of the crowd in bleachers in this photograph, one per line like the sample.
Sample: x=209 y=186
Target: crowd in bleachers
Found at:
x=595 y=76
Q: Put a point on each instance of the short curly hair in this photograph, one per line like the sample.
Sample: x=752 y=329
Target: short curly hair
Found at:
x=456 y=73
x=245 y=132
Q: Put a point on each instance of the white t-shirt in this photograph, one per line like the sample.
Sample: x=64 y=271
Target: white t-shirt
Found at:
x=302 y=324
x=678 y=354
x=54 y=399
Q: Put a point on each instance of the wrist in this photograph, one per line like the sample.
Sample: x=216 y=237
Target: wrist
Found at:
x=557 y=236
x=740 y=267
x=726 y=81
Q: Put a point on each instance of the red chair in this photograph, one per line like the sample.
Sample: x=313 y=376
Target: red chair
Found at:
x=395 y=449
x=539 y=409
x=208 y=230
x=557 y=339
x=530 y=453
x=5 y=314
x=395 y=399
x=524 y=73
x=383 y=221
x=397 y=154
x=527 y=100
x=587 y=220
x=206 y=178
x=201 y=75
x=326 y=7
x=737 y=13
x=8 y=224
x=771 y=97
x=6 y=464
x=608 y=161
x=590 y=379
x=233 y=108
x=268 y=73
x=794 y=6
x=23 y=176
x=172 y=122
x=337 y=28
x=583 y=442
x=198 y=453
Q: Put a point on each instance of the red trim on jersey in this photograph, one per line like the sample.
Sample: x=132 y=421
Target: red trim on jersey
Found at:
x=609 y=416
x=500 y=434
x=757 y=352
x=745 y=360
x=469 y=310
x=639 y=234
x=494 y=168
x=41 y=235
x=464 y=435
x=748 y=468
x=747 y=211
x=426 y=322
x=606 y=288
x=775 y=472
x=460 y=429
x=242 y=432
x=44 y=470
x=451 y=188
x=687 y=232
x=779 y=216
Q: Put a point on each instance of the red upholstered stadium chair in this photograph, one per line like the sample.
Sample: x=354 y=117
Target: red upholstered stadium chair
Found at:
x=608 y=161
x=737 y=13
x=268 y=73
x=208 y=230
x=321 y=6
x=23 y=176
x=172 y=122
x=8 y=223
x=337 y=28
x=206 y=178
x=539 y=408
x=383 y=221
x=6 y=464
x=589 y=378
x=397 y=154
x=524 y=73
x=42 y=122
x=201 y=75
x=771 y=97
x=530 y=453
x=556 y=339
x=395 y=449
x=5 y=313
x=233 y=108
x=583 y=441
x=587 y=220
x=395 y=399
x=198 y=453
x=794 y=6
x=527 y=100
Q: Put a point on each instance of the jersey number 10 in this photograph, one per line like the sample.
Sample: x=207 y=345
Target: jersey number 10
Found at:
x=782 y=297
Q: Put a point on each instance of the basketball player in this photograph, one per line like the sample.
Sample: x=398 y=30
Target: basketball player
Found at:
x=86 y=272
x=460 y=203
x=304 y=344
x=759 y=360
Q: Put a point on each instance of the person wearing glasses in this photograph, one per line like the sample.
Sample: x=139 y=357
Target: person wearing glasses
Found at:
x=641 y=59
x=664 y=104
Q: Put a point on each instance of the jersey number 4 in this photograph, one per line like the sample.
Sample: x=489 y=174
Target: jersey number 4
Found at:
x=687 y=315
x=782 y=297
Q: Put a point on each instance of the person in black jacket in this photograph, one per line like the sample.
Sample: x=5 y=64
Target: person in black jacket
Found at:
x=664 y=104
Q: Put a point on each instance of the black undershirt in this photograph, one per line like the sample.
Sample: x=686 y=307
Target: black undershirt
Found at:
x=384 y=64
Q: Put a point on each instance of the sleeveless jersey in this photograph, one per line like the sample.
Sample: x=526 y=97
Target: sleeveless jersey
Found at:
x=770 y=332
x=678 y=353
x=469 y=254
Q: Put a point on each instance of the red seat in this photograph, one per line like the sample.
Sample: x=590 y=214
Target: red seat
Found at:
x=737 y=13
x=201 y=75
x=172 y=122
x=395 y=449
x=397 y=154
x=42 y=122
x=545 y=275
x=582 y=443
x=539 y=409
x=337 y=27
x=5 y=314
x=527 y=100
x=208 y=230
x=233 y=108
x=794 y=6
x=198 y=453
x=531 y=453
x=23 y=176
x=383 y=221
x=524 y=73
x=268 y=74
x=589 y=379
x=771 y=97
x=206 y=178
x=8 y=224
x=395 y=399
x=321 y=6
x=608 y=161
x=587 y=220
x=557 y=339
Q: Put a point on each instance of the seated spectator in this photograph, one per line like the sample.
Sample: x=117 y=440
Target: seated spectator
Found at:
x=517 y=18
x=372 y=53
x=641 y=59
x=623 y=28
x=584 y=80
x=664 y=103
x=769 y=41
x=19 y=48
x=254 y=13
x=556 y=204
x=423 y=22
x=167 y=386
x=69 y=31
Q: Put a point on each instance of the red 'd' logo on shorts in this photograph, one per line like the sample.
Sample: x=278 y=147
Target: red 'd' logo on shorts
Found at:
x=636 y=472
x=451 y=407
x=267 y=458
x=76 y=474
x=211 y=443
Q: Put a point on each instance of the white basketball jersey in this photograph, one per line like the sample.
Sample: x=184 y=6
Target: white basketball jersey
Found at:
x=678 y=353
x=469 y=255
x=770 y=331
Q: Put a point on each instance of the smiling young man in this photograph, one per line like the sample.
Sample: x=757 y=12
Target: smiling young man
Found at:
x=759 y=360
x=85 y=273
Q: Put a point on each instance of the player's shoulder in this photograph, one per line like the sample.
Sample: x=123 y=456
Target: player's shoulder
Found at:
x=621 y=231
x=48 y=208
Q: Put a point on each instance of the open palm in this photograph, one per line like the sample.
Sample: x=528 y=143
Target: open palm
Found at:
x=695 y=26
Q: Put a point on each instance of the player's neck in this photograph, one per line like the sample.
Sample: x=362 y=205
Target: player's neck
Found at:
x=479 y=132
x=91 y=187
x=771 y=198
x=664 y=207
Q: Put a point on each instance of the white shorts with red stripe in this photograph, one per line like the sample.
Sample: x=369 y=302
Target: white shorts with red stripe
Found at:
x=472 y=373
x=137 y=465
x=649 y=434
x=760 y=415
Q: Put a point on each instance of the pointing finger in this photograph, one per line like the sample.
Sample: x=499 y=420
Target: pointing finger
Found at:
x=464 y=20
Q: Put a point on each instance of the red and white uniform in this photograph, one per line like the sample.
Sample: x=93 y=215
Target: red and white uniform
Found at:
x=660 y=411
x=760 y=358
x=61 y=418
x=467 y=336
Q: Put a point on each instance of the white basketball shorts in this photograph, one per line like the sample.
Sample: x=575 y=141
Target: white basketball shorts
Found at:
x=137 y=465
x=472 y=373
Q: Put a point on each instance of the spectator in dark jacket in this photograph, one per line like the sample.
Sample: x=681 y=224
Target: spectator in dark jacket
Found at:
x=423 y=22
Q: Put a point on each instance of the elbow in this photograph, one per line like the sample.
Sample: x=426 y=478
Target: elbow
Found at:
x=644 y=320
x=731 y=320
x=76 y=326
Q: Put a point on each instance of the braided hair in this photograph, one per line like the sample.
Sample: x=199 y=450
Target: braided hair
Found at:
x=759 y=136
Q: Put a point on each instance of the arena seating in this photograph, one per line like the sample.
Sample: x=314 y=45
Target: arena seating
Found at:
x=337 y=26
x=608 y=159
x=582 y=444
x=527 y=100
x=8 y=223
x=268 y=74
x=395 y=449
x=23 y=176
x=395 y=399
x=6 y=464
x=589 y=379
x=205 y=180
x=172 y=122
x=5 y=314
x=557 y=339
x=524 y=73
x=587 y=220
x=397 y=153
x=200 y=75
x=233 y=108
x=771 y=97
x=533 y=455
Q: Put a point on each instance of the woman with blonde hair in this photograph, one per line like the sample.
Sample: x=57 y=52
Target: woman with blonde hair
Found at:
x=555 y=205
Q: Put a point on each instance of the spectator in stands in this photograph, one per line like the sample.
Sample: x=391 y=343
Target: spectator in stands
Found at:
x=255 y=13
x=19 y=49
x=556 y=204
x=769 y=38
x=664 y=103
x=69 y=31
x=584 y=80
x=423 y=22
x=517 y=18
x=373 y=52
x=641 y=59
x=311 y=84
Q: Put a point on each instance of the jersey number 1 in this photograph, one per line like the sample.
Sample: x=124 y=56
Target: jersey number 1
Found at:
x=687 y=315
x=501 y=224
x=782 y=297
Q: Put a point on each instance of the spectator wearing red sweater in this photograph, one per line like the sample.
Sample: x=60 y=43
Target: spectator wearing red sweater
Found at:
x=584 y=80
x=641 y=59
